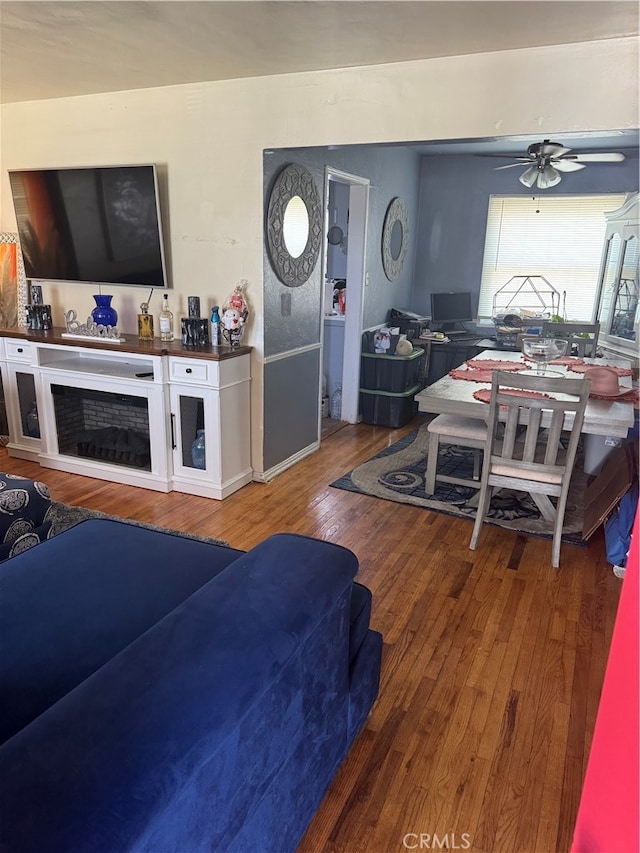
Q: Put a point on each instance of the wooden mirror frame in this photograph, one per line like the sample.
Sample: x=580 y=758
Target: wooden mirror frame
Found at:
x=293 y=180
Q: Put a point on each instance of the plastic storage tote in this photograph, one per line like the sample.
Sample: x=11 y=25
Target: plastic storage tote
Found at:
x=391 y=373
x=383 y=408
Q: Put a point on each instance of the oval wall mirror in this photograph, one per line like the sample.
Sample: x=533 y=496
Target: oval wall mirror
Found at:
x=295 y=228
x=294 y=225
x=395 y=238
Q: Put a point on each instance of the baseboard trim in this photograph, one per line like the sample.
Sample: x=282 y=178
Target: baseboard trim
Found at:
x=271 y=473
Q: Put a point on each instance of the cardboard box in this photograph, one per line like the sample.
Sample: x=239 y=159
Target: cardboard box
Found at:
x=603 y=494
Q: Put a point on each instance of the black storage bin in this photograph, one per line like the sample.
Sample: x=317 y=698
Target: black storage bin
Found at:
x=392 y=373
x=382 y=408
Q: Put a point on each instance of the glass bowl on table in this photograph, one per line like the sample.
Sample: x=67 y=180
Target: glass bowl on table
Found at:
x=542 y=351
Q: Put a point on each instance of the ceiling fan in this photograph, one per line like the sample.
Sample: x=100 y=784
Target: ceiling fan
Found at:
x=546 y=160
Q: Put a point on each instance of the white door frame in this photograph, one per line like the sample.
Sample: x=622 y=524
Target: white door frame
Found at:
x=356 y=282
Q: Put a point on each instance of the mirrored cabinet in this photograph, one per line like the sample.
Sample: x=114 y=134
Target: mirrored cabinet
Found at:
x=618 y=309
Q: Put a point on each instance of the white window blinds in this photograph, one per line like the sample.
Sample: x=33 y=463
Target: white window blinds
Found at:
x=558 y=237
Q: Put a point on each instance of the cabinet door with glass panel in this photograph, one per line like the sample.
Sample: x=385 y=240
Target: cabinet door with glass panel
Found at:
x=210 y=425
x=20 y=383
x=618 y=305
x=194 y=426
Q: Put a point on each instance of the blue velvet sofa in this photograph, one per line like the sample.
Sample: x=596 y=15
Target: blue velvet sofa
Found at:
x=164 y=694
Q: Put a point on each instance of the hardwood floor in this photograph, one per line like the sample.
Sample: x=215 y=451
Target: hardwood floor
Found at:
x=492 y=665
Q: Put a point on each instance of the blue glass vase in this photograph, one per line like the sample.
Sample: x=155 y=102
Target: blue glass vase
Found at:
x=198 y=451
x=103 y=314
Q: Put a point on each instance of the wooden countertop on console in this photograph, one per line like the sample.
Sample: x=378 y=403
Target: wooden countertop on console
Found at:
x=131 y=344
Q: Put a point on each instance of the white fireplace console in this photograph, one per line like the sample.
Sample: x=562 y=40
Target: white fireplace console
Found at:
x=129 y=412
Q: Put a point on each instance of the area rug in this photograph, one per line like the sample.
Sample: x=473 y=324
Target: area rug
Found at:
x=63 y=516
x=398 y=474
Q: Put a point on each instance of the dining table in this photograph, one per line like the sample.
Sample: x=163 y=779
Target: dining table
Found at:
x=452 y=395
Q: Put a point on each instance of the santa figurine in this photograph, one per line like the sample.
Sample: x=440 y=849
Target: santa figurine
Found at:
x=234 y=315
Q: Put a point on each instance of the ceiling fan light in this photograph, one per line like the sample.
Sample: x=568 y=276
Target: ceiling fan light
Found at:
x=528 y=178
x=549 y=177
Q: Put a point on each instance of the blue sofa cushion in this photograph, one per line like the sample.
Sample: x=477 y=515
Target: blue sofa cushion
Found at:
x=85 y=595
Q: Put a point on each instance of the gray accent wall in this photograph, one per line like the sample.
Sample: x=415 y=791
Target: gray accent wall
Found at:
x=292 y=315
x=291 y=418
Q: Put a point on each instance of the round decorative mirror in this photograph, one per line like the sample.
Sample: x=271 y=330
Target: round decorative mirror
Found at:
x=294 y=225
x=395 y=238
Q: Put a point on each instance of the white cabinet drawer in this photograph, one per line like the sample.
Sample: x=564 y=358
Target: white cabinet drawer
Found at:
x=19 y=351
x=192 y=370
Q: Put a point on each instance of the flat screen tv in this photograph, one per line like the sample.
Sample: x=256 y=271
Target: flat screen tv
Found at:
x=449 y=309
x=94 y=225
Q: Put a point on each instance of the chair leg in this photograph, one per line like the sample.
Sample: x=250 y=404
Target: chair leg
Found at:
x=557 y=530
x=476 y=463
x=483 y=506
x=432 y=463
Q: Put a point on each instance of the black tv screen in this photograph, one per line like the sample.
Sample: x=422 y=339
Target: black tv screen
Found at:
x=451 y=307
x=96 y=225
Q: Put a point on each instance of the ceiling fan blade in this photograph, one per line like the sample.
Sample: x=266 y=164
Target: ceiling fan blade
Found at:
x=505 y=157
x=511 y=165
x=566 y=165
x=604 y=157
x=548 y=149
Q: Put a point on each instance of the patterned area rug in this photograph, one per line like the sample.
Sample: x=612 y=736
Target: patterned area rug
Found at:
x=64 y=516
x=398 y=474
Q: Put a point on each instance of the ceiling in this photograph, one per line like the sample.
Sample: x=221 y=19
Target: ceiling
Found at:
x=58 y=49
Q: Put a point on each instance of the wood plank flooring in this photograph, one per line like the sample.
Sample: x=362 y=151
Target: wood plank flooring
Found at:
x=492 y=664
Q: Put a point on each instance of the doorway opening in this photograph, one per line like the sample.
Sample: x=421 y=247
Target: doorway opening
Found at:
x=344 y=283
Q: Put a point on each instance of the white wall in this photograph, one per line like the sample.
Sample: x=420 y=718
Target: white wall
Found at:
x=208 y=140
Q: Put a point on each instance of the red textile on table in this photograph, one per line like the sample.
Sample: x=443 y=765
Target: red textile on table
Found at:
x=608 y=816
x=495 y=364
x=582 y=368
x=471 y=375
x=484 y=394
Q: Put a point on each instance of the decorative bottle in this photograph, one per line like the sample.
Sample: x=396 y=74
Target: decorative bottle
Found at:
x=145 y=325
x=198 y=450
x=166 y=320
x=215 y=326
x=32 y=422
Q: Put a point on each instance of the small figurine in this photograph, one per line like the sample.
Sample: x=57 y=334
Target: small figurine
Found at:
x=234 y=315
x=232 y=325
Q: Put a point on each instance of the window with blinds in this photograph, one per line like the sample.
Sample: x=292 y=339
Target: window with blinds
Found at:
x=558 y=237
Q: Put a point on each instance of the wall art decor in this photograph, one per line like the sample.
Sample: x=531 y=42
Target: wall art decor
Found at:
x=13 y=282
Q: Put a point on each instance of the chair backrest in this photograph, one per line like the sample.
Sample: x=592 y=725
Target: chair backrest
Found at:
x=585 y=347
x=532 y=425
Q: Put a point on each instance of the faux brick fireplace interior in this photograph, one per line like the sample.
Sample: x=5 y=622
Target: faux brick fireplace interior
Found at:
x=102 y=425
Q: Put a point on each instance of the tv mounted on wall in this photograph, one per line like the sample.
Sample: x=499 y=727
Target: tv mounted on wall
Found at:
x=91 y=225
x=449 y=309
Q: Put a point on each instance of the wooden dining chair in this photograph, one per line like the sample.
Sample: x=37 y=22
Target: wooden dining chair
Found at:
x=454 y=430
x=527 y=455
x=582 y=337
